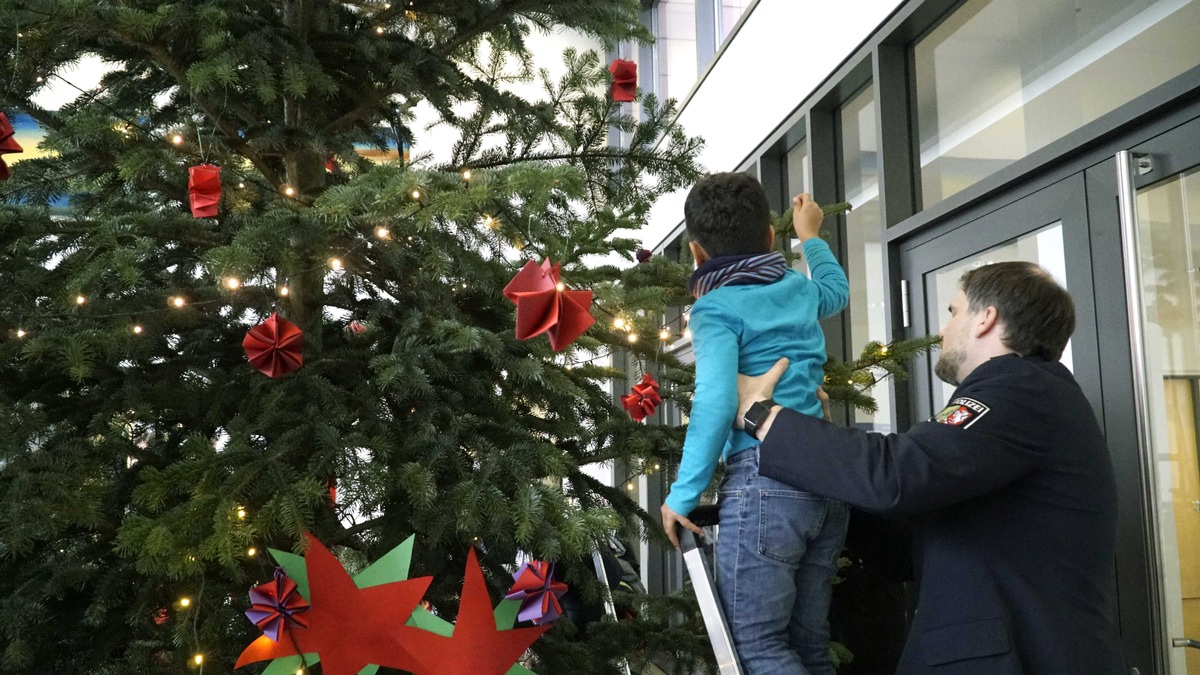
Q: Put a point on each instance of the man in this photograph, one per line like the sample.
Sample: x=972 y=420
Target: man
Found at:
x=1010 y=488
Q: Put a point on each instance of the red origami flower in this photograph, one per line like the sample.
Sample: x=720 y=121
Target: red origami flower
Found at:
x=274 y=603
x=274 y=346
x=624 y=84
x=535 y=587
x=545 y=306
x=204 y=190
x=643 y=400
x=8 y=144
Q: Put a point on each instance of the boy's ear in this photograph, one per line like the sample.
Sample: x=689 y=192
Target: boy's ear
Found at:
x=698 y=253
x=770 y=238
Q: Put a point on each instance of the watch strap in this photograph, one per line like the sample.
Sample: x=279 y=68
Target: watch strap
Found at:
x=757 y=414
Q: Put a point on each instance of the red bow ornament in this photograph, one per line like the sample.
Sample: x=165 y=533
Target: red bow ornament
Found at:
x=544 y=305
x=643 y=400
x=624 y=84
x=275 y=346
x=204 y=190
x=8 y=144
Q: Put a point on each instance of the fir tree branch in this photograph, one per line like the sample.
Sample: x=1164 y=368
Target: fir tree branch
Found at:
x=228 y=130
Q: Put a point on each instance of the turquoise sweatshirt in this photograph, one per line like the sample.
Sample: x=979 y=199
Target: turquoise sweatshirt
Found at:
x=746 y=329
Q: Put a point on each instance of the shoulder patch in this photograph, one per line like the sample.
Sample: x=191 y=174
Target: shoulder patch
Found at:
x=961 y=412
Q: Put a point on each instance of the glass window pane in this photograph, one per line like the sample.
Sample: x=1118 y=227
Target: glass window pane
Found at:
x=799 y=179
x=729 y=13
x=676 y=46
x=864 y=243
x=1044 y=247
x=1000 y=79
x=1169 y=243
x=799 y=175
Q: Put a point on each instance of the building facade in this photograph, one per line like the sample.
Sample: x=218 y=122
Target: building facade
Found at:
x=963 y=132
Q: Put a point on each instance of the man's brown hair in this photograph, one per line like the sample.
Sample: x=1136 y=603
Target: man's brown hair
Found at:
x=1038 y=314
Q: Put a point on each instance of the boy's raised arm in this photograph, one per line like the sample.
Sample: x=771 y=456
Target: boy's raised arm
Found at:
x=827 y=274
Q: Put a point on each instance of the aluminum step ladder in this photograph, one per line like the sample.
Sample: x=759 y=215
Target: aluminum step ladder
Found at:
x=703 y=584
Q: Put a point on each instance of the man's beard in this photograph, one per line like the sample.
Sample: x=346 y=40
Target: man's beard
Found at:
x=948 y=363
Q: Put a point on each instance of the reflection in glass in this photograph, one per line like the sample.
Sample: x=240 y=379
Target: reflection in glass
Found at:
x=999 y=79
x=864 y=243
x=1044 y=247
x=1169 y=247
x=676 y=47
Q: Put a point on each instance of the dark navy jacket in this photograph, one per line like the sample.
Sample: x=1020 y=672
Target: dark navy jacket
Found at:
x=1013 y=506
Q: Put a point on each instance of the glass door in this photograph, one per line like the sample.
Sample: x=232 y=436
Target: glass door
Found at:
x=1159 y=202
x=1048 y=227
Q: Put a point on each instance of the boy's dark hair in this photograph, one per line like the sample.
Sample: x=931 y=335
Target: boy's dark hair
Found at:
x=1038 y=314
x=727 y=214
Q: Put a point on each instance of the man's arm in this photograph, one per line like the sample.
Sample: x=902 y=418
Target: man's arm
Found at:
x=930 y=466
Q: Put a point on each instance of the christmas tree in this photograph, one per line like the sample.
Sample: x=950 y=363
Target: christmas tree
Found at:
x=147 y=465
x=150 y=451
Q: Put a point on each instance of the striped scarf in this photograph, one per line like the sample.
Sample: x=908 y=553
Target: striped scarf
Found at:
x=737 y=270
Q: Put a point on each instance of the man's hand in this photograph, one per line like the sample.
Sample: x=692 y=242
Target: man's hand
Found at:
x=671 y=519
x=752 y=389
x=806 y=217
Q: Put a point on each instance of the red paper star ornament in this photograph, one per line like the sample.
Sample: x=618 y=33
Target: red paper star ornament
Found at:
x=275 y=347
x=8 y=144
x=204 y=190
x=476 y=647
x=624 y=82
x=348 y=627
x=643 y=400
x=544 y=305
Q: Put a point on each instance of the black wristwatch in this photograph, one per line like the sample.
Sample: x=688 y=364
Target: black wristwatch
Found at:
x=756 y=415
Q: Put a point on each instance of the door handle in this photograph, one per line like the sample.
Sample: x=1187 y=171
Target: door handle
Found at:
x=1185 y=642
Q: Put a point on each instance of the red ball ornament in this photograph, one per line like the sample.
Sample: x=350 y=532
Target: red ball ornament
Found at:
x=356 y=327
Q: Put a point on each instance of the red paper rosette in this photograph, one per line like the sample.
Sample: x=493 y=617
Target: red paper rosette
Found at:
x=8 y=144
x=545 y=306
x=643 y=400
x=275 y=346
x=204 y=190
x=624 y=83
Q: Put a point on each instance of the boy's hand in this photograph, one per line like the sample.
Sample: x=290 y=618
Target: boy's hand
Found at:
x=671 y=519
x=806 y=216
x=827 y=412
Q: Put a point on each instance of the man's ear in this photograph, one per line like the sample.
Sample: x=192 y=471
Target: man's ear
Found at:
x=985 y=321
x=698 y=253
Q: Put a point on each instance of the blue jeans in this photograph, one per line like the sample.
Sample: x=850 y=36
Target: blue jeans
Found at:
x=777 y=553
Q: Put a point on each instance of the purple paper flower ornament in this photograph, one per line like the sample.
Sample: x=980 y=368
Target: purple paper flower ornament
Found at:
x=535 y=587
x=274 y=603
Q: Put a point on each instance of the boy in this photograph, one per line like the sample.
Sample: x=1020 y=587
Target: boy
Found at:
x=779 y=546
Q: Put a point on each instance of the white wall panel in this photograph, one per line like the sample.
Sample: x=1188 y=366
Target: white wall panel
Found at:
x=784 y=50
